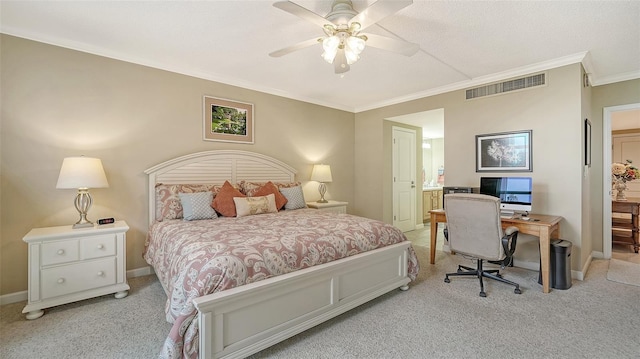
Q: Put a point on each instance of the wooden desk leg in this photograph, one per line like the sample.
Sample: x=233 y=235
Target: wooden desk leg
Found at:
x=434 y=234
x=635 y=234
x=545 y=252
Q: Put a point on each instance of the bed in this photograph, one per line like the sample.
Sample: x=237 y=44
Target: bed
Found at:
x=237 y=285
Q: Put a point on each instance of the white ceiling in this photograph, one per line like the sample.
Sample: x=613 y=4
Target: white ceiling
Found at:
x=462 y=43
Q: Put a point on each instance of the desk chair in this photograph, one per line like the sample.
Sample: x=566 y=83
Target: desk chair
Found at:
x=475 y=230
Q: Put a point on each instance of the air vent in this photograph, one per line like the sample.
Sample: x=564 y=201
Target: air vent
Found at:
x=502 y=87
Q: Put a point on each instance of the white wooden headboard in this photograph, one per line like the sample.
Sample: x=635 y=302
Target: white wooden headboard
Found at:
x=215 y=167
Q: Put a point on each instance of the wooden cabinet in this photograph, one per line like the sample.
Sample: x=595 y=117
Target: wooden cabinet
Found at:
x=431 y=199
x=67 y=265
x=330 y=206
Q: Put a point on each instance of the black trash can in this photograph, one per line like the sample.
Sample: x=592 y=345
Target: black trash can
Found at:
x=560 y=265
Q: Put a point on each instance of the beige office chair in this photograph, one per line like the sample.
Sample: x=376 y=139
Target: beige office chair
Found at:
x=475 y=230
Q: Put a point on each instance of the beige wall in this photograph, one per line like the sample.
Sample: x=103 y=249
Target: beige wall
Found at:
x=587 y=174
x=554 y=114
x=58 y=102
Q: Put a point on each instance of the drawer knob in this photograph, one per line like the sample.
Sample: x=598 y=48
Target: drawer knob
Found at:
x=60 y=251
x=100 y=274
x=100 y=246
x=60 y=280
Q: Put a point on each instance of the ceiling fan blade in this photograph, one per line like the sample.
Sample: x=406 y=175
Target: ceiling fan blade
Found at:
x=378 y=11
x=296 y=47
x=302 y=12
x=393 y=45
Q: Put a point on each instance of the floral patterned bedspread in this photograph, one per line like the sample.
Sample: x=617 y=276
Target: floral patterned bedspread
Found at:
x=196 y=258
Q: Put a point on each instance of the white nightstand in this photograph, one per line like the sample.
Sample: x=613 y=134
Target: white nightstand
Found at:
x=331 y=206
x=67 y=265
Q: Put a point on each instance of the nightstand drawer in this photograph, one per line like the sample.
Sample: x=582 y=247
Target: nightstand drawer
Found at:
x=59 y=252
x=77 y=277
x=98 y=246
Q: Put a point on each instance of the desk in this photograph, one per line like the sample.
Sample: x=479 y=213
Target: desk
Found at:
x=630 y=206
x=546 y=228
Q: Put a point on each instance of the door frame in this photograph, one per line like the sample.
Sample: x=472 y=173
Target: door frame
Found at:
x=607 y=142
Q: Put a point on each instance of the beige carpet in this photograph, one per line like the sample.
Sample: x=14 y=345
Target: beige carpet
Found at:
x=595 y=318
x=624 y=272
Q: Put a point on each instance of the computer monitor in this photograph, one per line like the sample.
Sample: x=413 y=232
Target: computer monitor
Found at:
x=514 y=193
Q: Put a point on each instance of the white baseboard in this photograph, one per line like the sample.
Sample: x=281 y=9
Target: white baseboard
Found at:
x=420 y=226
x=13 y=297
x=22 y=296
x=139 y=272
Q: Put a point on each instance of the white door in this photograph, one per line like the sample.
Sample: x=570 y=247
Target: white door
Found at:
x=404 y=178
x=627 y=147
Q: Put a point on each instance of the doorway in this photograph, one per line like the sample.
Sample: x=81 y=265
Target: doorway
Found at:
x=431 y=151
x=609 y=113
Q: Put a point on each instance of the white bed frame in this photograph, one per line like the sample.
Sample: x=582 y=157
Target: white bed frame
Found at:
x=238 y=322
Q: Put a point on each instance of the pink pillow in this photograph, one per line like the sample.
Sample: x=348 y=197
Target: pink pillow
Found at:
x=270 y=188
x=223 y=203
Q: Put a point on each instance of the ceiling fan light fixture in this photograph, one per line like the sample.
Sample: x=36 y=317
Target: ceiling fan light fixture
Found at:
x=330 y=45
x=356 y=44
x=353 y=48
x=351 y=56
x=343 y=43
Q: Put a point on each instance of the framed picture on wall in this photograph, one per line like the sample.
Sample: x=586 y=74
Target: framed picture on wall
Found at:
x=502 y=152
x=227 y=120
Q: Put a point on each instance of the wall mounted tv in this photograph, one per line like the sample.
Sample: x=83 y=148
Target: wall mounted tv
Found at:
x=514 y=192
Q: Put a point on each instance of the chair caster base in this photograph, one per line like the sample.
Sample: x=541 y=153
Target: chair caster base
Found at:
x=517 y=291
x=447 y=280
x=483 y=294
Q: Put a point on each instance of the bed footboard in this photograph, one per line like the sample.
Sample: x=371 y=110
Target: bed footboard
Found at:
x=241 y=321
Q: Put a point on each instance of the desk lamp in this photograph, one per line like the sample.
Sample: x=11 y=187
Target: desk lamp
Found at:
x=82 y=173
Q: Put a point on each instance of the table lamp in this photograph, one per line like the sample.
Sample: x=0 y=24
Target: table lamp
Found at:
x=322 y=174
x=82 y=173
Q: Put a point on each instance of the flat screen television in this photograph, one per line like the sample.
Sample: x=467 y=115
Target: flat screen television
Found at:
x=514 y=193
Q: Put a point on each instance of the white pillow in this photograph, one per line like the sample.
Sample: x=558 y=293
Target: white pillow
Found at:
x=247 y=206
x=294 y=196
x=197 y=206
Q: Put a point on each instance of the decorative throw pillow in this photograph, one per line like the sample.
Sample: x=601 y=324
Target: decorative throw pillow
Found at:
x=197 y=206
x=223 y=203
x=248 y=206
x=168 y=204
x=270 y=188
x=249 y=188
x=295 y=197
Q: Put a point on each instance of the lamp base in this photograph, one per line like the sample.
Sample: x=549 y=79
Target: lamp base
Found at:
x=82 y=225
x=83 y=202
x=322 y=188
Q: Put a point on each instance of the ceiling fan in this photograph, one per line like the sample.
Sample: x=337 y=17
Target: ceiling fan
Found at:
x=344 y=41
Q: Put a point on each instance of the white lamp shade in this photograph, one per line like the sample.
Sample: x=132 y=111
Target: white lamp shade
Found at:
x=82 y=172
x=321 y=173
